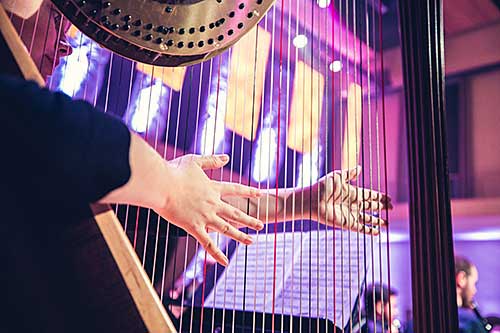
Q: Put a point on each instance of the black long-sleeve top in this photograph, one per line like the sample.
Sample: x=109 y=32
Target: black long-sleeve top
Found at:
x=61 y=151
x=57 y=156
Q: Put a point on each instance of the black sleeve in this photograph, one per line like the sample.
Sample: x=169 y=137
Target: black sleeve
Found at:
x=58 y=149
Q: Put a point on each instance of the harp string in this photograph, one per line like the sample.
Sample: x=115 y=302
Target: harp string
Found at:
x=240 y=180
x=155 y=146
x=167 y=232
x=355 y=80
x=226 y=249
x=127 y=209
x=252 y=158
x=106 y=101
x=259 y=158
x=254 y=76
x=184 y=289
x=139 y=106
x=287 y=128
x=315 y=144
x=379 y=240
x=344 y=31
x=220 y=57
x=186 y=246
x=228 y=66
x=377 y=157
x=332 y=130
x=158 y=219
x=35 y=30
x=42 y=61
x=382 y=84
x=370 y=141
x=370 y=160
x=184 y=150
x=245 y=248
x=146 y=137
x=280 y=86
x=58 y=40
x=216 y=117
x=197 y=248
x=195 y=145
x=176 y=246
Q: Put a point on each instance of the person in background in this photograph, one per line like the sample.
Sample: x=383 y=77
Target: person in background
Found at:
x=381 y=310
x=466 y=277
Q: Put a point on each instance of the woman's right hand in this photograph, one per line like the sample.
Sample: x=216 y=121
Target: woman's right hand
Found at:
x=193 y=202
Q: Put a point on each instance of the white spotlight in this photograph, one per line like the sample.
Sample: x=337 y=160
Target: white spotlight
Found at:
x=300 y=41
x=336 y=66
x=323 y=3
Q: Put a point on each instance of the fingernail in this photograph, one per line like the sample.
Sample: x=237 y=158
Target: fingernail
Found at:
x=248 y=240
x=225 y=261
x=224 y=158
x=260 y=226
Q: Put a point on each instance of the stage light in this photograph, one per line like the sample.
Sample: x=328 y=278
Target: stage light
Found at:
x=323 y=3
x=74 y=69
x=264 y=165
x=146 y=107
x=336 y=66
x=300 y=41
x=308 y=169
x=214 y=130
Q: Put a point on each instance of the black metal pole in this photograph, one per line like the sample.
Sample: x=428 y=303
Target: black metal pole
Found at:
x=432 y=259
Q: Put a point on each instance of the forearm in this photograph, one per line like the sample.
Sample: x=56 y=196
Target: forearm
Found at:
x=147 y=185
x=285 y=205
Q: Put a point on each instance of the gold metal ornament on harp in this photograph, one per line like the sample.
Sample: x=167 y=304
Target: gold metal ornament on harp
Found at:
x=164 y=32
x=291 y=107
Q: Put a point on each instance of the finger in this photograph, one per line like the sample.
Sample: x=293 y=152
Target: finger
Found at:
x=368 y=194
x=235 y=189
x=344 y=218
x=354 y=197
x=345 y=192
x=372 y=220
x=371 y=206
x=221 y=226
x=211 y=161
x=375 y=206
x=233 y=223
x=235 y=215
x=358 y=227
x=348 y=175
x=209 y=246
x=329 y=185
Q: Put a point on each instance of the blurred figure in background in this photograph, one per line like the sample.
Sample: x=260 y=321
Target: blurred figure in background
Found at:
x=381 y=310
x=466 y=277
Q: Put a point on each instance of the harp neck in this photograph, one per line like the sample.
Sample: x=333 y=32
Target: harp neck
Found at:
x=25 y=64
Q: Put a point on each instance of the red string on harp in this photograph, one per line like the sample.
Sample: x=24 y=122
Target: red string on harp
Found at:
x=278 y=159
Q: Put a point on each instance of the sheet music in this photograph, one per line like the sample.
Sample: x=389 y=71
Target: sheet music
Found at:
x=312 y=270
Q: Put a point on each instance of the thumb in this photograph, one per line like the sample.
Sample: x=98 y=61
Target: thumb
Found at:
x=212 y=161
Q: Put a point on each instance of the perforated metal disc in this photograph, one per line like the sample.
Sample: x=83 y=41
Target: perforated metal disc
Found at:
x=165 y=32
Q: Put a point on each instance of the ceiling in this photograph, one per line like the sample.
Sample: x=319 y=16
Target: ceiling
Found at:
x=459 y=16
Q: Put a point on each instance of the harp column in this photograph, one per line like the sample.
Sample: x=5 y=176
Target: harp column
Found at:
x=432 y=259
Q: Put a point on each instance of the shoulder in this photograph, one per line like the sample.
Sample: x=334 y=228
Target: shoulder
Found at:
x=21 y=94
x=468 y=322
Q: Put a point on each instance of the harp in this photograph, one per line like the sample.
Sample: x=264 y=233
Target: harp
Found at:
x=287 y=114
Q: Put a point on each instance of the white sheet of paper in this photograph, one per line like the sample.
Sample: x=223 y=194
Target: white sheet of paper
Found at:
x=318 y=274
